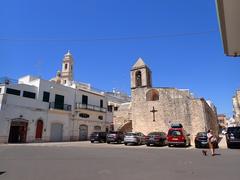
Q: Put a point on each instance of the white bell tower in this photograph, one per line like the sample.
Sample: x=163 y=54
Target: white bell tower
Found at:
x=67 y=68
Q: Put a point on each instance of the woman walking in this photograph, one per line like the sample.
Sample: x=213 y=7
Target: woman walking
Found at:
x=212 y=141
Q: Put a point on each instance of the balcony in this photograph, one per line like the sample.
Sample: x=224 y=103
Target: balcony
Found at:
x=64 y=107
x=90 y=107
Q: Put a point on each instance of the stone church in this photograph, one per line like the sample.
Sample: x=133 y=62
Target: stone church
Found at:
x=155 y=109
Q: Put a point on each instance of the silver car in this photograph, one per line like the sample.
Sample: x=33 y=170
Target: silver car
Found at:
x=136 y=138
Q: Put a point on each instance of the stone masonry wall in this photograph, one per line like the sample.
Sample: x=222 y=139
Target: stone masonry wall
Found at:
x=173 y=106
x=236 y=106
x=121 y=117
x=211 y=117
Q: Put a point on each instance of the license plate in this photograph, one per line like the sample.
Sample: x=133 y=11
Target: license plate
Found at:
x=204 y=142
x=174 y=139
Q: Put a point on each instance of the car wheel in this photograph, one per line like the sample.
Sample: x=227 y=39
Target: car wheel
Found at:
x=185 y=144
x=125 y=144
x=147 y=144
x=108 y=142
x=165 y=143
x=92 y=141
x=229 y=146
x=169 y=145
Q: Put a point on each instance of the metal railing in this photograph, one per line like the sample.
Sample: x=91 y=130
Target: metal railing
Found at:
x=64 y=107
x=7 y=80
x=90 y=107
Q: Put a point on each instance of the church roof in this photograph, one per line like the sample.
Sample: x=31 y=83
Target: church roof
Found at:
x=139 y=64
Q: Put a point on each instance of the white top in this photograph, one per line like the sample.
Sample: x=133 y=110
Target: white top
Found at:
x=211 y=138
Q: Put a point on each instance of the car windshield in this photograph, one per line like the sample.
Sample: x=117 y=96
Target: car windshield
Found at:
x=234 y=130
x=95 y=133
x=202 y=134
x=113 y=132
x=131 y=134
x=174 y=133
x=156 y=133
x=153 y=133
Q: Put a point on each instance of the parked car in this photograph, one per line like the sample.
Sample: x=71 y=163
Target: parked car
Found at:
x=115 y=136
x=178 y=136
x=201 y=140
x=156 y=138
x=98 y=136
x=136 y=138
x=233 y=136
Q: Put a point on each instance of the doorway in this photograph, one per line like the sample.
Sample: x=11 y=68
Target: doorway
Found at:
x=59 y=102
x=18 y=132
x=83 y=132
x=56 y=132
x=39 y=130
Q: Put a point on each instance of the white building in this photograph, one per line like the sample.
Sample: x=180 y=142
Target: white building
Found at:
x=231 y=122
x=37 y=110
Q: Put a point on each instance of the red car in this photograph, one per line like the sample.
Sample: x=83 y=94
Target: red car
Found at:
x=178 y=136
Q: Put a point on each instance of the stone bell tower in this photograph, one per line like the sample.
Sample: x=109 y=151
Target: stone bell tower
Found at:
x=67 y=68
x=141 y=81
x=141 y=75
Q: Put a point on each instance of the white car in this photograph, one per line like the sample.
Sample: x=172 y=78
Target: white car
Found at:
x=136 y=138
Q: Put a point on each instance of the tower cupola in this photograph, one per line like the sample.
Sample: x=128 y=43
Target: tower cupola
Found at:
x=67 y=68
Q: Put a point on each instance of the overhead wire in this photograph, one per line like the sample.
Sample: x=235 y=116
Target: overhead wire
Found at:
x=108 y=38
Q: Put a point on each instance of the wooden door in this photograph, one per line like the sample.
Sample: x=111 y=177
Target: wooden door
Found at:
x=39 y=129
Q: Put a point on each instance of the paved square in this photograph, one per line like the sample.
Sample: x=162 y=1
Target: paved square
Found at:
x=83 y=160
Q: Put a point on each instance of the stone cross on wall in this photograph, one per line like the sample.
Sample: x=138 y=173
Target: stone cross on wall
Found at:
x=153 y=111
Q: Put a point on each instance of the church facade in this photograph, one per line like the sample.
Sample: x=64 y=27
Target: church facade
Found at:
x=155 y=109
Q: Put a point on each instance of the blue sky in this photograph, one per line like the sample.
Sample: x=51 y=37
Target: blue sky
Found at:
x=34 y=36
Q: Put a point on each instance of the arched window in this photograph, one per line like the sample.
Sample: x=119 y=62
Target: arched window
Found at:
x=138 y=76
x=97 y=128
x=152 y=95
x=83 y=115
